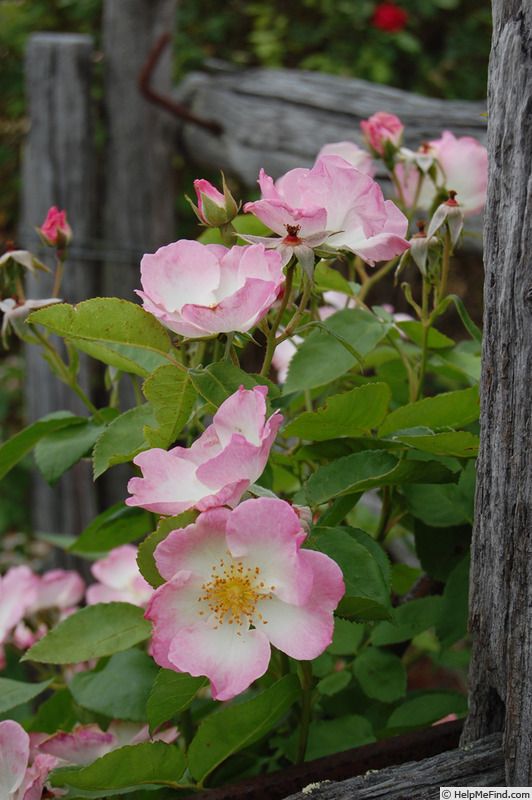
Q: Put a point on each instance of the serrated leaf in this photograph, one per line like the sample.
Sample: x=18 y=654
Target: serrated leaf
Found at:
x=145 y=558
x=172 y=693
x=105 y=319
x=218 y=381
x=442 y=506
x=15 y=693
x=461 y=444
x=172 y=396
x=123 y=438
x=133 y=360
x=149 y=763
x=414 y=331
x=56 y=452
x=427 y=708
x=367 y=595
x=98 y=630
x=380 y=674
x=225 y=733
x=447 y=410
x=12 y=451
x=346 y=414
x=371 y=469
x=117 y=525
x=410 y=619
x=121 y=689
x=321 y=359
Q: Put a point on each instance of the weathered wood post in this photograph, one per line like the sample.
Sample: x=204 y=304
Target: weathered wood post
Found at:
x=59 y=169
x=139 y=192
x=501 y=572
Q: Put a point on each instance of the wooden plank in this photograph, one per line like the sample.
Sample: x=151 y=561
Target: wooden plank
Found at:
x=480 y=764
x=59 y=169
x=500 y=675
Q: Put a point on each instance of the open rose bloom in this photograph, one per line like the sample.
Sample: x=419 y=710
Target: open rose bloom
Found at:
x=119 y=579
x=18 y=779
x=200 y=290
x=218 y=468
x=462 y=167
x=237 y=582
x=334 y=205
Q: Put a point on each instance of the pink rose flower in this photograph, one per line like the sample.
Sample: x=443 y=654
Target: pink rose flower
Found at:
x=231 y=570
x=214 y=208
x=351 y=153
x=18 y=780
x=119 y=579
x=462 y=167
x=200 y=290
x=57 y=588
x=218 y=468
x=332 y=204
x=55 y=230
x=18 y=589
x=380 y=129
x=85 y=743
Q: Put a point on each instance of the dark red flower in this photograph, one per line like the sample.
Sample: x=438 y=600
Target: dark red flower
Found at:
x=389 y=17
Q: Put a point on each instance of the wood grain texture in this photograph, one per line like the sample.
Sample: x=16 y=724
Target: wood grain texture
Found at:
x=58 y=169
x=501 y=586
x=481 y=764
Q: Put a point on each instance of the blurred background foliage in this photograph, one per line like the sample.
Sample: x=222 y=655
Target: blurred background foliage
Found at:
x=434 y=47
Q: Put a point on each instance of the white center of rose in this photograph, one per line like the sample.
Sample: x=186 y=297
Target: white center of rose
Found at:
x=232 y=593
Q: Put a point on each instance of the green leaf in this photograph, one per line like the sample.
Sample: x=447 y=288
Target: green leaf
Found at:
x=347 y=637
x=453 y=619
x=117 y=525
x=133 y=360
x=236 y=727
x=172 y=693
x=380 y=674
x=367 y=595
x=461 y=444
x=56 y=452
x=12 y=451
x=98 y=630
x=172 y=398
x=15 y=693
x=410 y=619
x=145 y=558
x=414 y=331
x=326 y=278
x=56 y=713
x=218 y=381
x=426 y=709
x=121 y=689
x=105 y=319
x=321 y=359
x=371 y=469
x=334 y=683
x=149 y=763
x=331 y=736
x=441 y=506
x=451 y=409
x=347 y=414
x=123 y=438
x=441 y=549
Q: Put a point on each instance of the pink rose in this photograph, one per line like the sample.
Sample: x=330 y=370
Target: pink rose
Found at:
x=380 y=129
x=351 y=153
x=57 y=588
x=334 y=205
x=218 y=468
x=200 y=290
x=462 y=168
x=18 y=780
x=232 y=570
x=55 y=230
x=119 y=579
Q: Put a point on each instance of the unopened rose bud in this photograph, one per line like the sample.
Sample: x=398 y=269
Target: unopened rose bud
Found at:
x=214 y=208
x=450 y=212
x=55 y=231
x=383 y=133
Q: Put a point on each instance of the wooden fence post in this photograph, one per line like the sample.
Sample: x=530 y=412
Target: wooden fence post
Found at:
x=59 y=169
x=501 y=585
x=139 y=192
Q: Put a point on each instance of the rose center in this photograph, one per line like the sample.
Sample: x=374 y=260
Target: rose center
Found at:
x=233 y=592
x=292 y=231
